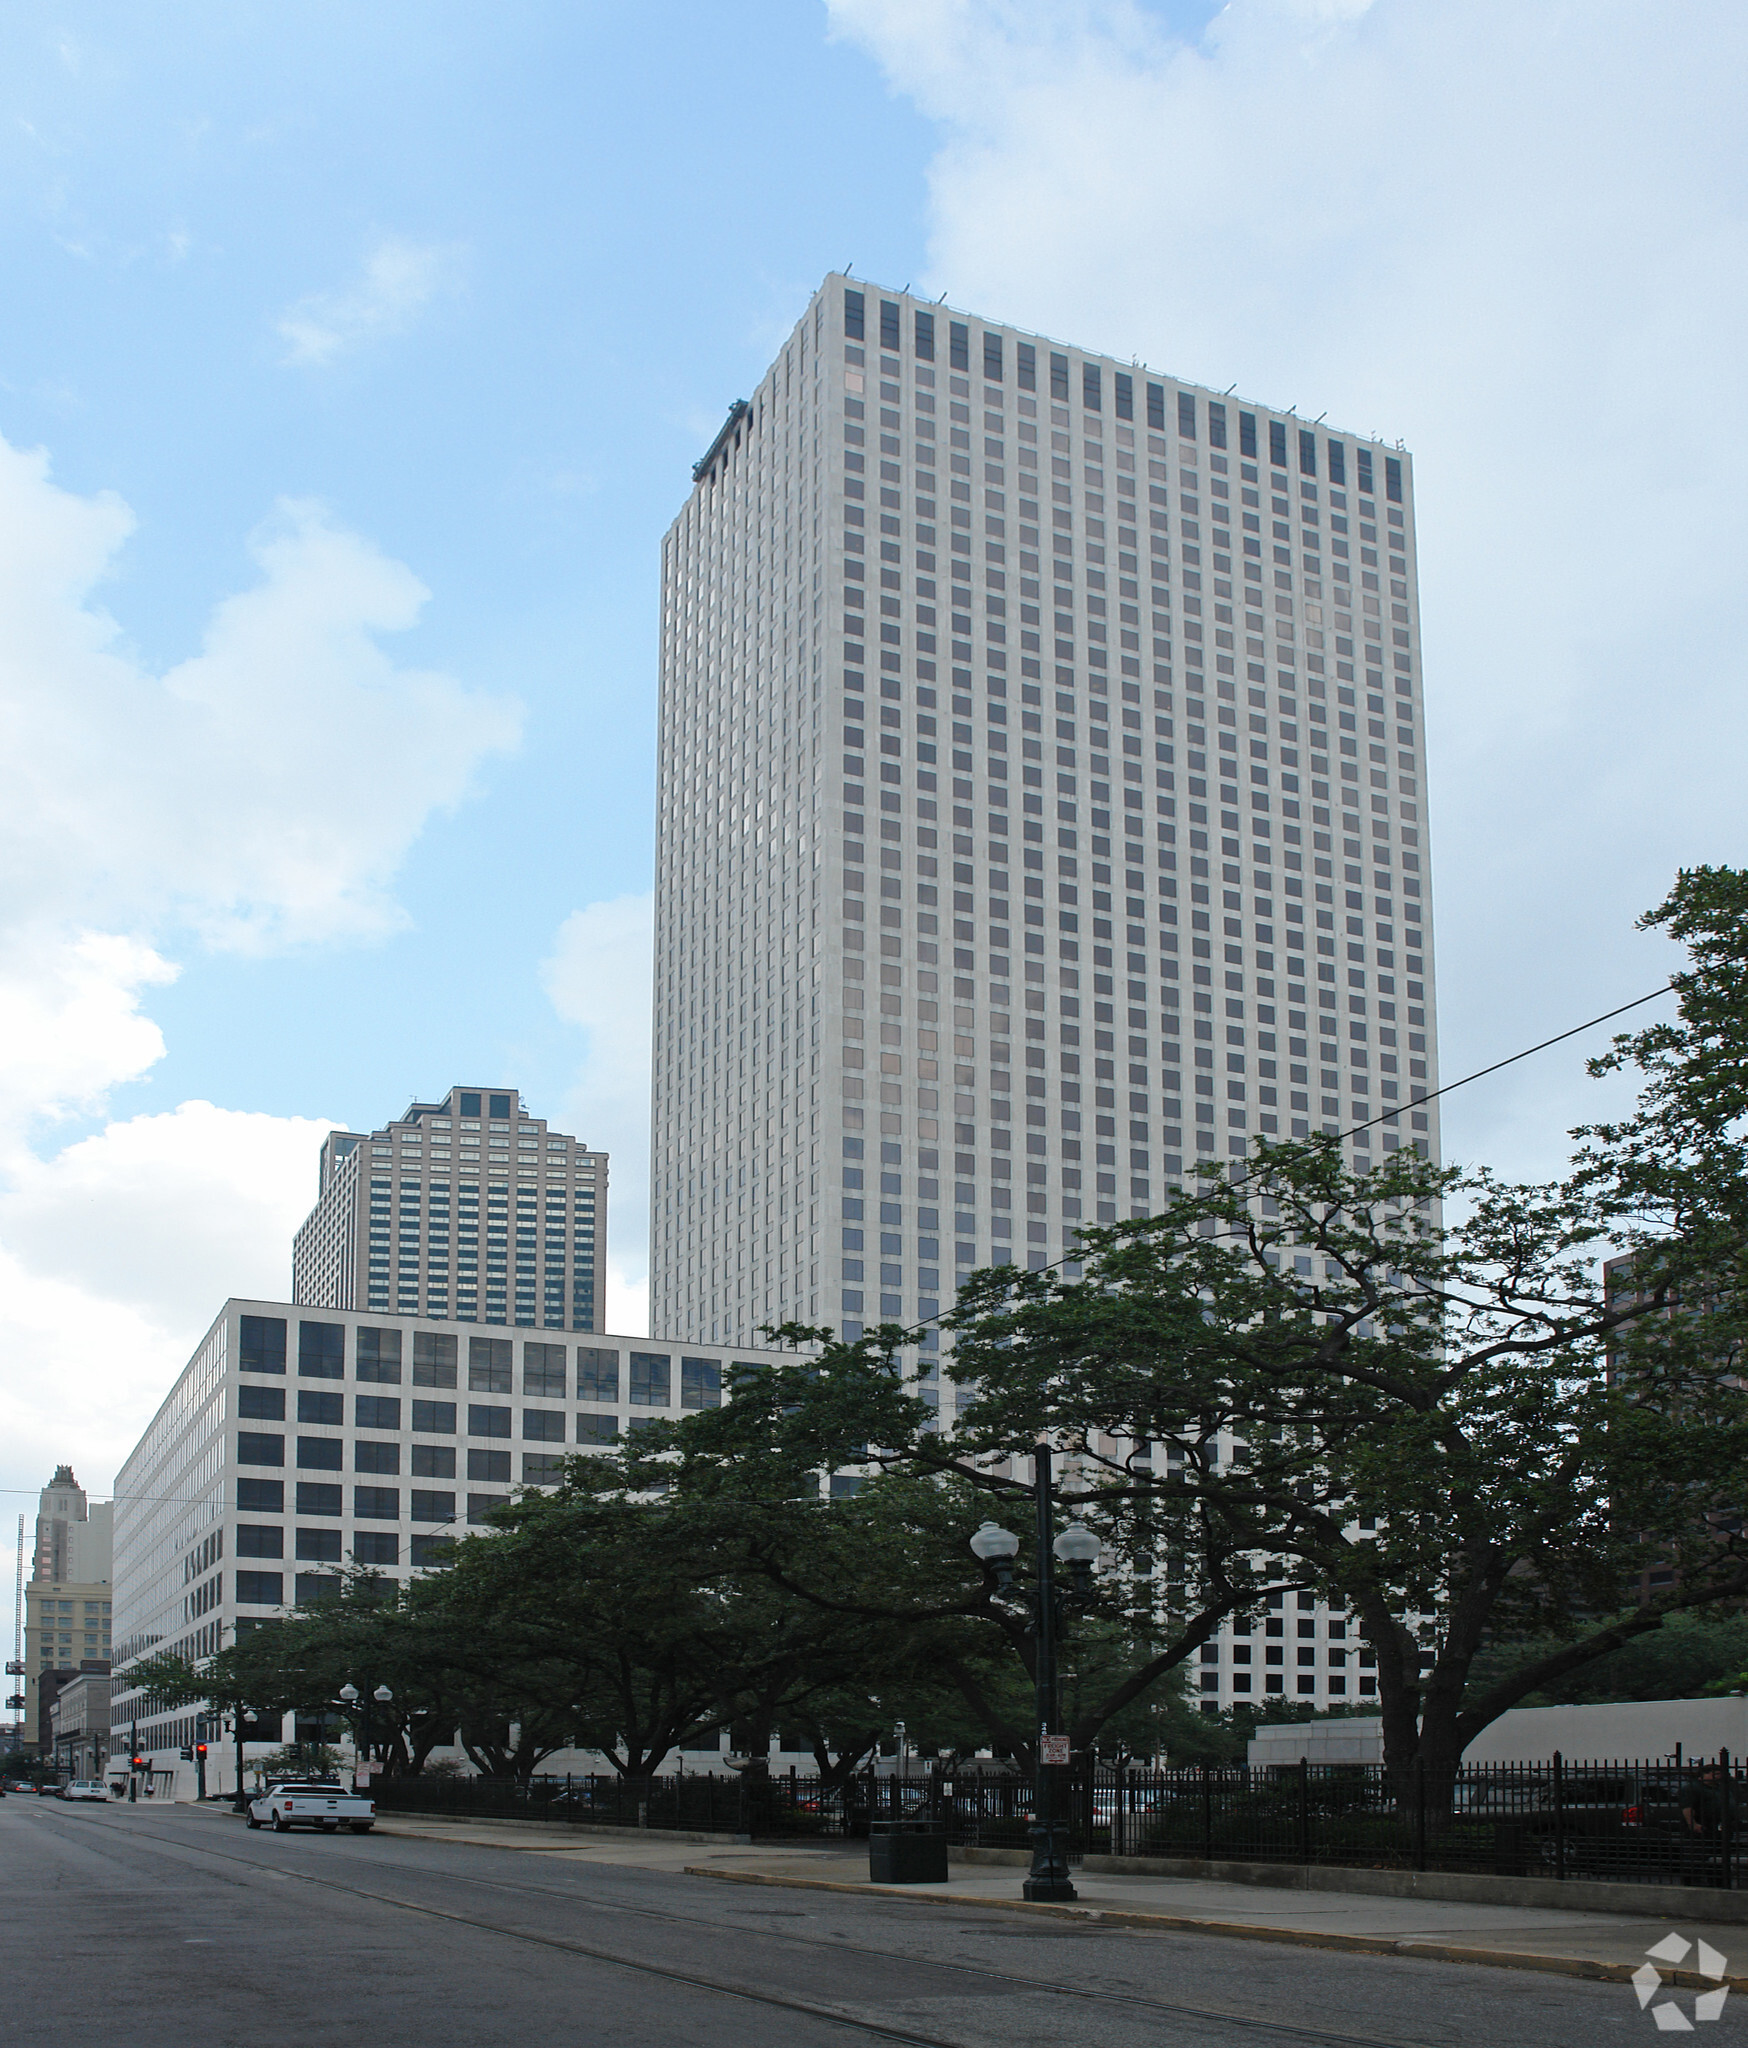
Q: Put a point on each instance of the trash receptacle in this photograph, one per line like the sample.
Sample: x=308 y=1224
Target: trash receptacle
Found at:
x=907 y=1852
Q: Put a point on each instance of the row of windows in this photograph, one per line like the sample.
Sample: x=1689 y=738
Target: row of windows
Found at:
x=379 y=1355
x=993 y=358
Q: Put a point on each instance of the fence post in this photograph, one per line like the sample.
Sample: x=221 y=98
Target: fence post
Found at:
x=1728 y=1821
x=1304 y=1809
x=1207 y=1817
x=1419 y=1838
x=1559 y=1815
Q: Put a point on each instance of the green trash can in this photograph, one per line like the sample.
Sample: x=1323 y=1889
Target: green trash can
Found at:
x=907 y=1852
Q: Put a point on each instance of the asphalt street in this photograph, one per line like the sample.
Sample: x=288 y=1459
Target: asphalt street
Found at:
x=170 y=1928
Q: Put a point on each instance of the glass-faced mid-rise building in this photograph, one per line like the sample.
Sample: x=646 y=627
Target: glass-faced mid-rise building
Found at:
x=468 y=1208
x=1042 y=812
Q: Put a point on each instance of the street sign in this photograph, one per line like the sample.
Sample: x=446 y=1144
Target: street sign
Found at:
x=1053 y=1749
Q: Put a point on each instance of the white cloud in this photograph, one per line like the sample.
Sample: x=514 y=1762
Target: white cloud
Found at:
x=225 y=792
x=118 y=1252
x=217 y=803
x=1513 y=234
x=397 y=280
x=598 y=976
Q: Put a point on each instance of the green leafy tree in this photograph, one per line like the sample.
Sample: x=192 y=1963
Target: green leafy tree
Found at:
x=1444 y=1418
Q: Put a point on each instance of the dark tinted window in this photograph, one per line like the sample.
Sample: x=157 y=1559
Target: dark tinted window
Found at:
x=958 y=345
x=992 y=358
x=321 y=1351
x=1059 y=377
x=484 y=1421
x=1336 y=455
x=1216 y=424
x=488 y=1365
x=433 y=1461
x=376 y=1546
x=261 y=1496
x=316 y=1497
x=1277 y=444
x=1090 y=387
x=489 y=1465
x=1125 y=395
x=261 y=1404
x=379 y=1356
x=651 y=1381
x=319 y=1453
x=260 y=1589
x=370 y=1454
x=377 y=1411
x=597 y=1374
x=1307 y=452
x=318 y=1546
x=1392 y=479
x=434 y=1355
x=597 y=1429
x=1156 y=407
x=256 y=1539
x=429 y=1550
x=1247 y=433
x=312 y=1587
x=469 y=1104
x=480 y=1505
x=435 y=1418
x=925 y=337
x=889 y=325
x=700 y=1383
x=314 y=1406
x=432 y=1506
x=1363 y=463
x=260 y=1450
x=261 y=1344
x=376 y=1503
x=543 y=1425
x=853 y=330
x=1186 y=415
x=1025 y=366
x=542 y=1468
x=543 y=1370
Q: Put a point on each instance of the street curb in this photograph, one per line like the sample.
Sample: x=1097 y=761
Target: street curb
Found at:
x=1241 y=1930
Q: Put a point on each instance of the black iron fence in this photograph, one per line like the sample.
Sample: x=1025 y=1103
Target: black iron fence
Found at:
x=1665 y=1820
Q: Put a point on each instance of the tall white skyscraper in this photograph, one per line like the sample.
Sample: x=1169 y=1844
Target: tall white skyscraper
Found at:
x=1042 y=811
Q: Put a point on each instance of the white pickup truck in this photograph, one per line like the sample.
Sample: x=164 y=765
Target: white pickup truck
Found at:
x=312 y=1803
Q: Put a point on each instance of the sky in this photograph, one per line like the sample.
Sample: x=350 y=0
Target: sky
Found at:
x=352 y=363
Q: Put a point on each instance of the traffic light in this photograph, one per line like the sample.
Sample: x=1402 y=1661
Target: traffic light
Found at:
x=187 y=1753
x=200 y=1751
x=138 y=1761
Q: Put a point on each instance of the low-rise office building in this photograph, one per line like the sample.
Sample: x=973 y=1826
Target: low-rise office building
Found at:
x=298 y=1441
x=80 y=1730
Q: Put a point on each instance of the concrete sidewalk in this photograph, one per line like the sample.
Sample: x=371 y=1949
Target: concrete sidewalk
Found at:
x=1568 y=1943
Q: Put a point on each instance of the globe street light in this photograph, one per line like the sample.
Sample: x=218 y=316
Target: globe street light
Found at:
x=1077 y=1548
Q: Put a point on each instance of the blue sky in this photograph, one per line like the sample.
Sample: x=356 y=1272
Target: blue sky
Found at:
x=622 y=207
x=352 y=363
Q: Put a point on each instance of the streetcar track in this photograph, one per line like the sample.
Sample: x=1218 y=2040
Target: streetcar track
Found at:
x=1289 y=2030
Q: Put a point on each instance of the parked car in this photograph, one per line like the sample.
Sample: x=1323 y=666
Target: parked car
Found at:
x=312 y=1803
x=48 y=1789
x=87 y=1788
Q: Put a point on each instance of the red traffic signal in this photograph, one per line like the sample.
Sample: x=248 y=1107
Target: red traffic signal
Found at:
x=200 y=1749
x=139 y=1763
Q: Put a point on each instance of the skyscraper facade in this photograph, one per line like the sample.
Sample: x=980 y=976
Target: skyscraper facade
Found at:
x=1041 y=813
x=468 y=1208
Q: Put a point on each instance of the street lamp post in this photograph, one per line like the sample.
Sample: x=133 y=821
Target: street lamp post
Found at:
x=1077 y=1548
x=350 y=1696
